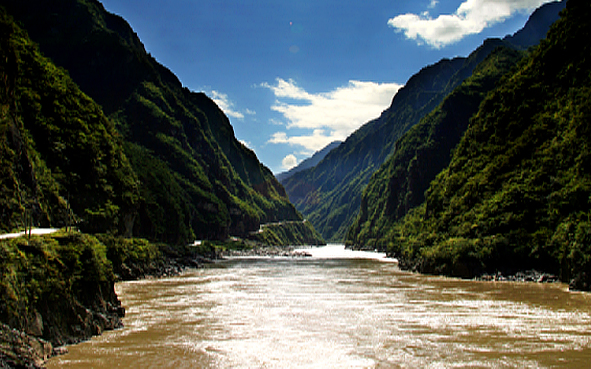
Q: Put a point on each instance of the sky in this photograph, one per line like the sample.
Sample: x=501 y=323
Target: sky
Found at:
x=293 y=76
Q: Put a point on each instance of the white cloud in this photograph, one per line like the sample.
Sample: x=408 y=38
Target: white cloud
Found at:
x=289 y=162
x=227 y=105
x=433 y=4
x=472 y=16
x=279 y=138
x=313 y=142
x=329 y=116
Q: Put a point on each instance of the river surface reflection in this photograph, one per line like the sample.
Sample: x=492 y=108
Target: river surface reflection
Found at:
x=338 y=310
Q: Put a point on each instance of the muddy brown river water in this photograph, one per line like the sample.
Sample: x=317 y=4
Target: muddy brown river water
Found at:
x=338 y=309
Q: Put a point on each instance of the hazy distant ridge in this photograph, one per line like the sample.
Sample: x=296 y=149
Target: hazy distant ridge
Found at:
x=309 y=162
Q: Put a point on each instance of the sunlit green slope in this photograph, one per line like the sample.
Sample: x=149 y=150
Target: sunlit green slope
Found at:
x=516 y=194
x=423 y=152
x=329 y=195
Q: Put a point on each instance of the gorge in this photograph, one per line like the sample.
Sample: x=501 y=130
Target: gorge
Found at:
x=480 y=167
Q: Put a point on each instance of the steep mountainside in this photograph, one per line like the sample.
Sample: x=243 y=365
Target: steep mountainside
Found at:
x=60 y=156
x=423 y=152
x=537 y=26
x=196 y=180
x=517 y=192
x=308 y=163
x=329 y=195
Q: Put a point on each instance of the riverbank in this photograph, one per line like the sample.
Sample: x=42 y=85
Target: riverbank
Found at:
x=338 y=311
x=471 y=271
x=287 y=233
x=58 y=289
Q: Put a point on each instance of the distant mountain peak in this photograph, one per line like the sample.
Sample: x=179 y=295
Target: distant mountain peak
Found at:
x=308 y=163
x=537 y=25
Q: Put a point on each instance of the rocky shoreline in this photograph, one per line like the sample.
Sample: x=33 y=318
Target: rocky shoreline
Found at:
x=576 y=284
x=167 y=268
x=25 y=350
x=20 y=350
x=504 y=275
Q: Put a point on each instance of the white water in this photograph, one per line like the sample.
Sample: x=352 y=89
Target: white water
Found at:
x=339 y=252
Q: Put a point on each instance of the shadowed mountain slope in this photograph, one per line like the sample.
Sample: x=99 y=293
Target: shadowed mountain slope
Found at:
x=196 y=180
x=423 y=152
x=62 y=160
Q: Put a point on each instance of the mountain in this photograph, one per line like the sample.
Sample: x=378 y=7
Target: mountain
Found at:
x=399 y=185
x=329 y=195
x=59 y=152
x=309 y=162
x=422 y=153
x=537 y=25
x=60 y=157
x=195 y=180
x=516 y=194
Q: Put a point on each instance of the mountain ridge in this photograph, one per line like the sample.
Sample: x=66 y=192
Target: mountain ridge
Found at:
x=424 y=151
x=515 y=195
x=309 y=162
x=174 y=138
x=329 y=195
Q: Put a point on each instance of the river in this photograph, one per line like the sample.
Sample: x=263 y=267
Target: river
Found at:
x=338 y=309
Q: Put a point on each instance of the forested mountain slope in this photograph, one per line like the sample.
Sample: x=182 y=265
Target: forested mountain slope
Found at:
x=516 y=194
x=423 y=152
x=329 y=195
x=195 y=179
x=61 y=159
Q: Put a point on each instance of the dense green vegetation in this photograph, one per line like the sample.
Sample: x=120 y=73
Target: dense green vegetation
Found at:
x=423 y=152
x=192 y=178
x=135 y=258
x=60 y=287
x=164 y=164
x=55 y=287
x=60 y=154
x=329 y=195
x=516 y=194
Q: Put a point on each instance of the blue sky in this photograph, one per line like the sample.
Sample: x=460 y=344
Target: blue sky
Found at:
x=295 y=75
